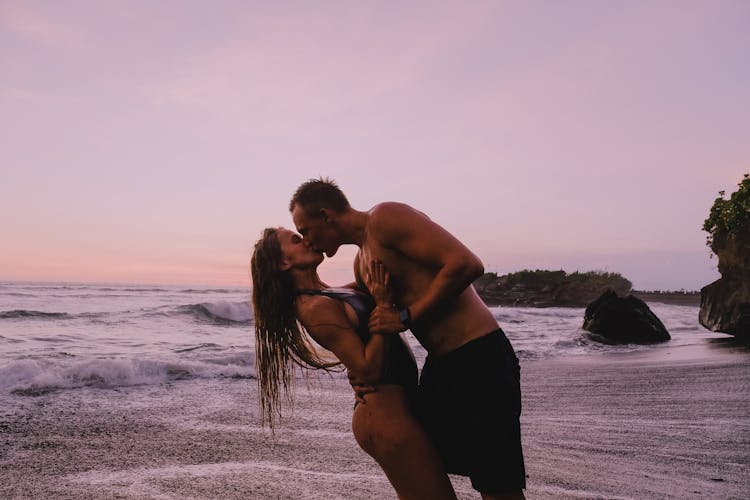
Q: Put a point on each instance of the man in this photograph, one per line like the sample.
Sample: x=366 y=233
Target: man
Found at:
x=469 y=398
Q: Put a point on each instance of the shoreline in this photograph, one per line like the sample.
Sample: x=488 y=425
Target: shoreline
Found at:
x=649 y=424
x=672 y=298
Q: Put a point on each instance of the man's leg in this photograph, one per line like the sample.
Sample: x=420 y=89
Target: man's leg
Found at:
x=471 y=405
x=493 y=420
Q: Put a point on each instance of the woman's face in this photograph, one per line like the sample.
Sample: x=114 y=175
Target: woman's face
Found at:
x=295 y=251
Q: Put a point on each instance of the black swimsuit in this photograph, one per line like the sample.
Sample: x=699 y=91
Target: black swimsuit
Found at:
x=400 y=366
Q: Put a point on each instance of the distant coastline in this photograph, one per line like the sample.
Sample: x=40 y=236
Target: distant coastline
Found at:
x=544 y=288
x=677 y=298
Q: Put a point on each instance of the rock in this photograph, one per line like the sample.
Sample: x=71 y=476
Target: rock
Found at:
x=725 y=303
x=627 y=320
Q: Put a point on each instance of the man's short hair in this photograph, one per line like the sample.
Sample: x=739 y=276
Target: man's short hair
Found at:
x=319 y=193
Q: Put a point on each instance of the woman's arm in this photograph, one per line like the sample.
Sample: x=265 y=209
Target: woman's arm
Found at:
x=325 y=320
x=377 y=280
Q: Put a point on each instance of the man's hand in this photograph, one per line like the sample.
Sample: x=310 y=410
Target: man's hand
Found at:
x=361 y=387
x=385 y=320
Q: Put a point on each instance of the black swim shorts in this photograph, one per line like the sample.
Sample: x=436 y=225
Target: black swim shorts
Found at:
x=469 y=401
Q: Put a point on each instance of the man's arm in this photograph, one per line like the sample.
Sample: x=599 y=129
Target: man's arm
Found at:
x=404 y=229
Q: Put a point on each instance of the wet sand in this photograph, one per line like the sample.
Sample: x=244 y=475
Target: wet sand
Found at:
x=633 y=427
x=614 y=426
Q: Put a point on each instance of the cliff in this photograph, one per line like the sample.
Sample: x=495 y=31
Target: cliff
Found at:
x=725 y=303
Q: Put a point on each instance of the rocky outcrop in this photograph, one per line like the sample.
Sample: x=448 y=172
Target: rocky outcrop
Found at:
x=624 y=319
x=725 y=303
x=542 y=288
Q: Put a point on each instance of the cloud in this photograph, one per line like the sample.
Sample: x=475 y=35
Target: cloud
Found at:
x=284 y=67
x=26 y=98
x=37 y=27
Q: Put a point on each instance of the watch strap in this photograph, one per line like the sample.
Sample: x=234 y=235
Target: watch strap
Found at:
x=405 y=317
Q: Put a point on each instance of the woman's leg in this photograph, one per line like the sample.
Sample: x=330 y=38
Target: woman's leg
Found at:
x=386 y=429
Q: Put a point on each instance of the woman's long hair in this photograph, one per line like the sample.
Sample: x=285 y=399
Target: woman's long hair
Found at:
x=280 y=343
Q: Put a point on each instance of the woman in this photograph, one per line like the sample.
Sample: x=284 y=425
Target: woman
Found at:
x=287 y=291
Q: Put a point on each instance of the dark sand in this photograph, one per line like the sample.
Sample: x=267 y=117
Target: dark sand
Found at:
x=624 y=426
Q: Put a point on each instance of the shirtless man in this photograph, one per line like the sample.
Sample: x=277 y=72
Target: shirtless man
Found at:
x=469 y=397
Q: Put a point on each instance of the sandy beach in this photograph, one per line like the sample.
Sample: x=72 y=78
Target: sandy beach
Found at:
x=610 y=426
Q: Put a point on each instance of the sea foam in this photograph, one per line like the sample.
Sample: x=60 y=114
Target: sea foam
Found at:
x=34 y=377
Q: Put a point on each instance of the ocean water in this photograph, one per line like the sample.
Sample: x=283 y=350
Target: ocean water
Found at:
x=62 y=336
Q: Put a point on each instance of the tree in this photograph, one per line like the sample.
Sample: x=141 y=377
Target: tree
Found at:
x=729 y=218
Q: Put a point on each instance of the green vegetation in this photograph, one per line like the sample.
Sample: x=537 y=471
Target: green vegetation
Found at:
x=541 y=279
x=729 y=218
x=547 y=288
x=485 y=280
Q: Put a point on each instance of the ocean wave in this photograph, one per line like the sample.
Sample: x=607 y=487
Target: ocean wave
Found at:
x=46 y=288
x=10 y=340
x=220 y=312
x=31 y=377
x=42 y=287
x=207 y=345
x=23 y=313
x=44 y=315
x=93 y=296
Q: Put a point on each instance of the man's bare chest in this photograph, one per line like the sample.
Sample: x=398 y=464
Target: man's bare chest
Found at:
x=397 y=266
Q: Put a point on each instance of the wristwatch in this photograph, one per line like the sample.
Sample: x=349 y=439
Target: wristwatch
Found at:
x=405 y=317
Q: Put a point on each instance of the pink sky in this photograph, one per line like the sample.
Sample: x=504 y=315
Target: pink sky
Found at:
x=151 y=142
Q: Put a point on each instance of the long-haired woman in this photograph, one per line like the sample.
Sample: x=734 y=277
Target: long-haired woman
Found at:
x=287 y=293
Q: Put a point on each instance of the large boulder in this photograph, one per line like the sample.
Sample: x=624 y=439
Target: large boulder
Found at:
x=624 y=319
x=725 y=303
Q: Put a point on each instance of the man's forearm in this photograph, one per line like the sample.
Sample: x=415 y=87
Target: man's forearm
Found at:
x=448 y=284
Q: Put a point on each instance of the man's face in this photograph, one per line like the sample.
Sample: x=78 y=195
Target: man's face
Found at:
x=317 y=231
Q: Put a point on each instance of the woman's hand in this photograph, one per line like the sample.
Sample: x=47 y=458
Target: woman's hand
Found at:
x=378 y=281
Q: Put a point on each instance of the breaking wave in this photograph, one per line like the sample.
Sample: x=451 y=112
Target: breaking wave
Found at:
x=221 y=313
x=31 y=377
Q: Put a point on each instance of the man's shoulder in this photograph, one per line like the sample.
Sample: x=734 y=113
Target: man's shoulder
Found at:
x=385 y=221
x=391 y=214
x=388 y=207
